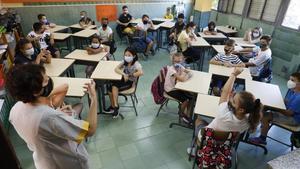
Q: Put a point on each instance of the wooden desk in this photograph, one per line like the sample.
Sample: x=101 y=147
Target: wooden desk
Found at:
x=86 y=33
x=162 y=19
x=57 y=28
x=269 y=94
x=82 y=57
x=200 y=42
x=207 y=105
x=217 y=36
x=105 y=70
x=57 y=67
x=77 y=26
x=61 y=36
x=218 y=48
x=136 y=21
x=225 y=30
x=75 y=85
x=198 y=83
x=240 y=42
x=226 y=71
x=167 y=25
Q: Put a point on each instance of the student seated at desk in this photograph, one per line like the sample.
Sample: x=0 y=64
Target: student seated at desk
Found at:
x=176 y=30
x=95 y=48
x=145 y=25
x=227 y=59
x=290 y=116
x=43 y=20
x=253 y=35
x=26 y=53
x=131 y=70
x=237 y=112
x=123 y=22
x=106 y=35
x=210 y=29
x=169 y=15
x=177 y=73
x=43 y=39
x=257 y=63
x=85 y=21
x=185 y=40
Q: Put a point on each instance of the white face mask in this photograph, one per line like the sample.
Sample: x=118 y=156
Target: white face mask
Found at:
x=95 y=45
x=81 y=16
x=45 y=21
x=29 y=52
x=255 y=34
x=290 y=84
x=128 y=59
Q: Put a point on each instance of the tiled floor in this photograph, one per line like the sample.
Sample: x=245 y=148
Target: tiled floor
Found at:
x=147 y=142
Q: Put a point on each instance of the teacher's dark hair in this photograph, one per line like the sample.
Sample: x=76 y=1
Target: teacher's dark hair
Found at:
x=24 y=81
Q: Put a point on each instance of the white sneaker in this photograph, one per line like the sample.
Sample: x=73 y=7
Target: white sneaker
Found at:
x=191 y=151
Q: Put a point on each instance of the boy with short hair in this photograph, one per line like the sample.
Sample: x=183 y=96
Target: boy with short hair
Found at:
x=43 y=38
x=264 y=53
x=210 y=29
x=145 y=25
x=176 y=30
x=227 y=58
x=106 y=34
x=290 y=116
x=43 y=19
x=85 y=21
x=124 y=21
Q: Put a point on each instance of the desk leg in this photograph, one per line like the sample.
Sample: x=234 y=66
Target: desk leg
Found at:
x=69 y=47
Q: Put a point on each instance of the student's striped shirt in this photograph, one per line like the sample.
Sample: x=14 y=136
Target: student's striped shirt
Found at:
x=233 y=59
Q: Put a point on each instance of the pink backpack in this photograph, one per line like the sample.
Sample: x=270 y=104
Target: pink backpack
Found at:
x=157 y=87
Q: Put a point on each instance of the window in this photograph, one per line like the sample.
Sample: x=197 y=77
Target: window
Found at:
x=238 y=7
x=271 y=10
x=215 y=4
x=223 y=5
x=256 y=8
x=292 y=15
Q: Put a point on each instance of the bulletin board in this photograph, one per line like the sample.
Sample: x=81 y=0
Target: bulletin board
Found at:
x=109 y=11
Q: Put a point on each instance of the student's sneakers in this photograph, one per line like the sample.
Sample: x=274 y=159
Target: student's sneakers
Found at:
x=191 y=151
x=186 y=119
x=116 y=112
x=257 y=140
x=110 y=109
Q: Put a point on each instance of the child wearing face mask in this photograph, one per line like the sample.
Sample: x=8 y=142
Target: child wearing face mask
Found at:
x=225 y=59
x=210 y=29
x=85 y=21
x=95 y=48
x=144 y=26
x=237 y=112
x=177 y=73
x=43 y=20
x=263 y=56
x=106 y=35
x=131 y=70
x=290 y=116
x=253 y=36
x=26 y=53
x=43 y=39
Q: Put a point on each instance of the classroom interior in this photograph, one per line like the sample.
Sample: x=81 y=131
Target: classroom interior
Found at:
x=145 y=140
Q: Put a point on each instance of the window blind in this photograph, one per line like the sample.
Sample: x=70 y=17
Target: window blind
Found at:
x=256 y=8
x=271 y=10
x=238 y=6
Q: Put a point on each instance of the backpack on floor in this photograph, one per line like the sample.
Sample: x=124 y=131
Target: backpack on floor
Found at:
x=157 y=87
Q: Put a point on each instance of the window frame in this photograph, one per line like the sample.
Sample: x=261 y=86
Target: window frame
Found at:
x=284 y=9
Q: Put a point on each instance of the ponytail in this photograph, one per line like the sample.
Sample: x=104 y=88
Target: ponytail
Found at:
x=252 y=107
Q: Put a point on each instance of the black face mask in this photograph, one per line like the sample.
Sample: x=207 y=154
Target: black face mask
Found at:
x=230 y=107
x=47 y=89
x=104 y=25
x=211 y=29
x=263 y=45
x=145 y=22
x=227 y=51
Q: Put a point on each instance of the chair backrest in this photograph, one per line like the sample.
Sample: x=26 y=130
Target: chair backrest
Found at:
x=157 y=87
x=216 y=148
x=266 y=72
